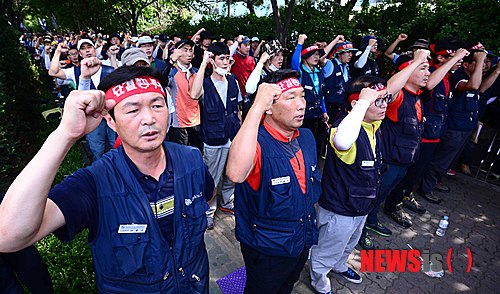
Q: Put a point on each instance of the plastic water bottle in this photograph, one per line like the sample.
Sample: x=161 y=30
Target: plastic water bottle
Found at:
x=443 y=225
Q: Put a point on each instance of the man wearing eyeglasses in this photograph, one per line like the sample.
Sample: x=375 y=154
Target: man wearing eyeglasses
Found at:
x=350 y=180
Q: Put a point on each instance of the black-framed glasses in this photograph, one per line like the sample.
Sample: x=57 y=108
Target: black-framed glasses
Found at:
x=387 y=98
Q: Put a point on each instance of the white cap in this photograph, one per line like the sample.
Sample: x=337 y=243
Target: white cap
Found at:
x=255 y=39
x=134 y=39
x=84 y=41
x=144 y=40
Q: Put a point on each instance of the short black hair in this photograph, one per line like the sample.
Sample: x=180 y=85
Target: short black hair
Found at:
x=279 y=75
x=403 y=57
x=126 y=73
x=218 y=48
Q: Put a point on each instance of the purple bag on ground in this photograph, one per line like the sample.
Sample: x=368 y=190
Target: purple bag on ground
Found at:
x=233 y=283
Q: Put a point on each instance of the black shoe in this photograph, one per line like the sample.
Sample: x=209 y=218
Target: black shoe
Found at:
x=366 y=243
x=430 y=197
x=379 y=229
x=400 y=218
x=442 y=188
x=351 y=276
x=412 y=204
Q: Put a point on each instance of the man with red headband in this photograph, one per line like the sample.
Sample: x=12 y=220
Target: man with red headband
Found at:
x=125 y=199
x=274 y=165
x=350 y=180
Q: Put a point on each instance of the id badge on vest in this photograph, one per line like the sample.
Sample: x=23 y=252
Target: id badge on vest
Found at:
x=132 y=229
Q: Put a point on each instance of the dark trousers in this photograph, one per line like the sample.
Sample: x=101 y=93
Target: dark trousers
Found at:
x=318 y=128
x=271 y=274
x=413 y=174
x=388 y=180
x=451 y=144
x=186 y=136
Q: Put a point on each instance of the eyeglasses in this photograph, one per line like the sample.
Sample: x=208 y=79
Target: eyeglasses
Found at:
x=387 y=98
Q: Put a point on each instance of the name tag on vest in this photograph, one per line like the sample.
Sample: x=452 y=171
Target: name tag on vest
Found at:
x=308 y=87
x=132 y=229
x=367 y=163
x=279 y=181
x=338 y=74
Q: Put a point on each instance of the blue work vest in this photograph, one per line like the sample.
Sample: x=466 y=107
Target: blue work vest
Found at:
x=401 y=139
x=146 y=262
x=335 y=86
x=463 y=111
x=435 y=109
x=370 y=68
x=313 y=98
x=278 y=219
x=352 y=189
x=219 y=123
x=105 y=70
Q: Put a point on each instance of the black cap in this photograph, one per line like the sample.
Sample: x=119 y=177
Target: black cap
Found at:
x=206 y=35
x=163 y=38
x=420 y=44
x=181 y=43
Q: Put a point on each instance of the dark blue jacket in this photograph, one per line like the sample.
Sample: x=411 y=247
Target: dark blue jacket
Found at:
x=278 y=219
x=219 y=123
x=146 y=262
x=352 y=190
x=335 y=86
x=313 y=98
x=401 y=138
x=105 y=70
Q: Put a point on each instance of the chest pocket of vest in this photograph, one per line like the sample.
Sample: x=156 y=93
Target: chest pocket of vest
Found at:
x=215 y=124
x=410 y=126
x=471 y=102
x=439 y=103
x=196 y=221
x=130 y=251
x=361 y=199
x=279 y=203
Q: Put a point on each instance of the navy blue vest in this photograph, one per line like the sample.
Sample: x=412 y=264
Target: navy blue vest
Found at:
x=352 y=190
x=401 y=139
x=435 y=109
x=370 y=68
x=463 y=111
x=218 y=124
x=335 y=86
x=278 y=219
x=313 y=99
x=145 y=262
x=105 y=70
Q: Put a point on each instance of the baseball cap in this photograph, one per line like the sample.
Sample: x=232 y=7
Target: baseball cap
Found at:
x=309 y=51
x=255 y=39
x=144 y=40
x=132 y=55
x=343 y=47
x=181 y=43
x=273 y=47
x=206 y=35
x=245 y=40
x=134 y=39
x=84 y=41
x=163 y=38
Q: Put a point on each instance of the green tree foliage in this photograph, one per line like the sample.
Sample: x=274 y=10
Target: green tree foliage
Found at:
x=20 y=118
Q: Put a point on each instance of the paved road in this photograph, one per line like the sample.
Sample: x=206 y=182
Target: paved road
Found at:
x=474 y=211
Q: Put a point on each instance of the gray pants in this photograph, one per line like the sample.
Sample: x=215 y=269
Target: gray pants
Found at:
x=215 y=159
x=338 y=234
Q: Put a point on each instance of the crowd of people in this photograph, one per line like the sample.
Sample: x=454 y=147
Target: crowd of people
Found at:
x=180 y=127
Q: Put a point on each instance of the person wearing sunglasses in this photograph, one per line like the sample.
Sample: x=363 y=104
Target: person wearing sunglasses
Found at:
x=350 y=180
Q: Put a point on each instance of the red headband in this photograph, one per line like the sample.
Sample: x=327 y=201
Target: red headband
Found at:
x=309 y=49
x=445 y=52
x=355 y=96
x=404 y=65
x=135 y=86
x=478 y=46
x=287 y=84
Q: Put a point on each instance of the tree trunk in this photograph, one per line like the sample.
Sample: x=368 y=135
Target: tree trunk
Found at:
x=228 y=8
x=282 y=29
x=251 y=6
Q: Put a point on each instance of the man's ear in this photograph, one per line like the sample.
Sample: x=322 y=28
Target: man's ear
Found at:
x=353 y=102
x=111 y=122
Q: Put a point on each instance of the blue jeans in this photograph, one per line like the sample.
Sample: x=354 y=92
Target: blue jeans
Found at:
x=99 y=137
